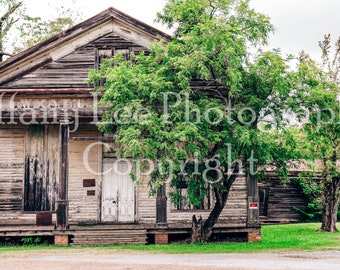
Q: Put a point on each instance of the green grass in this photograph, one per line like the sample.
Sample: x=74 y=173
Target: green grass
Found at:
x=275 y=238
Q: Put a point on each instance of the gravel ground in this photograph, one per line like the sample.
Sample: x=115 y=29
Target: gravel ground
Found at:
x=116 y=259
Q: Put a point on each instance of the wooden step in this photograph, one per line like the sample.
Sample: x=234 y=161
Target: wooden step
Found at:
x=109 y=237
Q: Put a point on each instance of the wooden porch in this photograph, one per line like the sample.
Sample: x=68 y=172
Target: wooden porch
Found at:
x=122 y=234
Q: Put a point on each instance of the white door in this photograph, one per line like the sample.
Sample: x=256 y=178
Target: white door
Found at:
x=118 y=196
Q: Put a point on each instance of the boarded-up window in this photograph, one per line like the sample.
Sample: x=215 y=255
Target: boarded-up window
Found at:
x=41 y=168
x=107 y=53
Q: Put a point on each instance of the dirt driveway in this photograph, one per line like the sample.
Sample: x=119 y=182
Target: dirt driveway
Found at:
x=116 y=259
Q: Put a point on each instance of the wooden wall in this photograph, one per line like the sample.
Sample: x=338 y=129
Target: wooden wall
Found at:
x=234 y=214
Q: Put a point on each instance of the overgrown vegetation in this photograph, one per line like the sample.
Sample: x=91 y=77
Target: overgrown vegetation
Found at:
x=26 y=241
x=312 y=190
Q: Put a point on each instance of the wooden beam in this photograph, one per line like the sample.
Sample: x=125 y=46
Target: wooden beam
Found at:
x=95 y=138
x=62 y=203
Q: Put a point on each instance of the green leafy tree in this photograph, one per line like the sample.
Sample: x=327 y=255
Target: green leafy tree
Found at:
x=201 y=105
x=318 y=93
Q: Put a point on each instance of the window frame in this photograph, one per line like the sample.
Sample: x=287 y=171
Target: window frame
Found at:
x=187 y=207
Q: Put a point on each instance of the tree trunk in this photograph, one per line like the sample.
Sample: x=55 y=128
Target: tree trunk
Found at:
x=197 y=230
x=201 y=232
x=330 y=205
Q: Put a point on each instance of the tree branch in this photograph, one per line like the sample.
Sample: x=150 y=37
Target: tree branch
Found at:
x=6 y=18
x=5 y=53
x=10 y=11
x=9 y=25
x=213 y=9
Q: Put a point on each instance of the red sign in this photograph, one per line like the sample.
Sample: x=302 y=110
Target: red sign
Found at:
x=253 y=205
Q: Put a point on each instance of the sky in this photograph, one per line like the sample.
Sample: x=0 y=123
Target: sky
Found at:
x=299 y=24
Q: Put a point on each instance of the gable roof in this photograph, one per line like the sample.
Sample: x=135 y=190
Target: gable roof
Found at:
x=110 y=20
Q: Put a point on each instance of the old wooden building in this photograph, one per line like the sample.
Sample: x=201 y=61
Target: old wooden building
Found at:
x=57 y=169
x=279 y=198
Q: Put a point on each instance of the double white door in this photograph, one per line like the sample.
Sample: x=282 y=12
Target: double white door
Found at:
x=118 y=196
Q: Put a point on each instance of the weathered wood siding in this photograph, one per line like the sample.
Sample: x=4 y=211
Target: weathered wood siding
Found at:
x=42 y=155
x=281 y=200
x=84 y=202
x=11 y=170
x=146 y=204
x=69 y=71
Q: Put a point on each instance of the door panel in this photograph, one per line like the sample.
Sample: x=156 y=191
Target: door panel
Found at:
x=118 y=196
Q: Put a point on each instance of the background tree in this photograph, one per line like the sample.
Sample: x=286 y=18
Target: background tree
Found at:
x=199 y=105
x=35 y=29
x=319 y=94
x=11 y=12
x=25 y=30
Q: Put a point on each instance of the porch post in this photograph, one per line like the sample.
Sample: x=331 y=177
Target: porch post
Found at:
x=253 y=202
x=62 y=203
x=253 y=222
x=161 y=209
x=161 y=236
